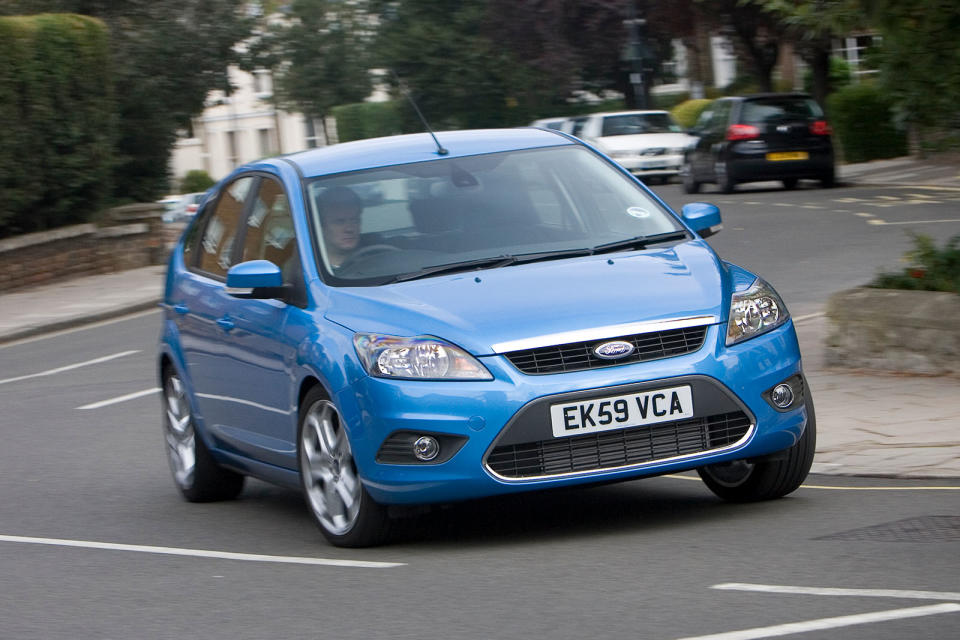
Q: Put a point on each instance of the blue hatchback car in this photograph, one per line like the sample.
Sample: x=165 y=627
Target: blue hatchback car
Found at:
x=393 y=321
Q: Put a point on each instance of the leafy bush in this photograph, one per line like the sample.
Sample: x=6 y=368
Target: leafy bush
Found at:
x=195 y=181
x=366 y=120
x=686 y=113
x=930 y=268
x=862 y=117
x=58 y=115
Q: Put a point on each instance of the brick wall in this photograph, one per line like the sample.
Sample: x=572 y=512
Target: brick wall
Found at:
x=130 y=237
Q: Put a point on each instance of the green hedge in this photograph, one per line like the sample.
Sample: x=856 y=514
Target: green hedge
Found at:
x=367 y=120
x=686 y=113
x=56 y=121
x=862 y=117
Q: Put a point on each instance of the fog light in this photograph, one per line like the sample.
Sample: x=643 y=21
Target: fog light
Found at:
x=426 y=448
x=782 y=396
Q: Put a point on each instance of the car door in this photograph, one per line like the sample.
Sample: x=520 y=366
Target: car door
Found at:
x=699 y=154
x=202 y=308
x=715 y=138
x=259 y=411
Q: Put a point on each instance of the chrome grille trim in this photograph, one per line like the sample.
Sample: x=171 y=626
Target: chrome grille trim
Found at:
x=601 y=333
x=581 y=356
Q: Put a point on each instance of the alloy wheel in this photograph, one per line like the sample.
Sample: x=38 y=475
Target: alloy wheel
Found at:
x=330 y=477
x=730 y=474
x=180 y=434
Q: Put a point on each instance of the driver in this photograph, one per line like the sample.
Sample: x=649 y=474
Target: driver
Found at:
x=340 y=210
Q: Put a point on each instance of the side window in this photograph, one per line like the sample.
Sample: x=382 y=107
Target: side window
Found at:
x=216 y=244
x=578 y=126
x=722 y=116
x=706 y=117
x=269 y=234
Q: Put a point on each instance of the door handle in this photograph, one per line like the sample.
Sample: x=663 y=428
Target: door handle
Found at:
x=181 y=308
x=225 y=323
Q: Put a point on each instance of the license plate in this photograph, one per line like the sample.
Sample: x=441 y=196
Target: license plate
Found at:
x=620 y=412
x=788 y=155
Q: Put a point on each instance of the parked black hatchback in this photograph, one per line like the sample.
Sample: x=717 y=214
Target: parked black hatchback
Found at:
x=771 y=136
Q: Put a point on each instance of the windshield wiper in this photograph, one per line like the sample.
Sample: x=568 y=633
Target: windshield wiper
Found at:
x=550 y=255
x=453 y=267
x=639 y=242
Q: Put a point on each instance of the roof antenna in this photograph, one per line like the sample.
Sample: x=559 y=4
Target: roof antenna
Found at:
x=403 y=89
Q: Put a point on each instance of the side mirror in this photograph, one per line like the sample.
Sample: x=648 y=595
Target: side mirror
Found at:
x=258 y=279
x=703 y=217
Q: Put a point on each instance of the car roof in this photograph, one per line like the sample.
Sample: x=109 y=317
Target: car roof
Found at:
x=761 y=96
x=625 y=113
x=419 y=147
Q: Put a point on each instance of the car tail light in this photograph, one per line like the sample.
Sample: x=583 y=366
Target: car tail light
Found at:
x=821 y=128
x=742 y=132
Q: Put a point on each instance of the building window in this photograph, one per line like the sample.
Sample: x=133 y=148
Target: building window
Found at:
x=312 y=140
x=233 y=154
x=853 y=49
x=266 y=142
x=262 y=83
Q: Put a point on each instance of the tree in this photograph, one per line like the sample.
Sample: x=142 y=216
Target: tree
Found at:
x=920 y=59
x=457 y=74
x=319 y=53
x=812 y=25
x=168 y=54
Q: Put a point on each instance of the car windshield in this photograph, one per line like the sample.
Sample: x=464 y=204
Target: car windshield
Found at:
x=633 y=123
x=416 y=220
x=780 y=109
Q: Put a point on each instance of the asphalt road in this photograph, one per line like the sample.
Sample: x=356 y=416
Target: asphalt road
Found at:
x=636 y=560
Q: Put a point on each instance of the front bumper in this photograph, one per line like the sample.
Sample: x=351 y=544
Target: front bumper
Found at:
x=659 y=165
x=724 y=380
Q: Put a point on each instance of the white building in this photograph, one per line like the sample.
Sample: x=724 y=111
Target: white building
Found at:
x=242 y=127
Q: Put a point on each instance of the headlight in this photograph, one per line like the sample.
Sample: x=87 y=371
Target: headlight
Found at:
x=419 y=358
x=757 y=310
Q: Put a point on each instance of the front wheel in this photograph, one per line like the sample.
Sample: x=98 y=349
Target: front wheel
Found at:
x=690 y=184
x=765 y=479
x=340 y=505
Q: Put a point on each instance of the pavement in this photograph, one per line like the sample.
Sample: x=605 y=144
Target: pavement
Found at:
x=869 y=423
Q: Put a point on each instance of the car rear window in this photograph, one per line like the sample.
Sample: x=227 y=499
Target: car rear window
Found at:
x=779 y=109
x=628 y=124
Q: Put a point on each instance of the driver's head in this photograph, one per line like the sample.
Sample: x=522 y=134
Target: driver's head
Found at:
x=340 y=211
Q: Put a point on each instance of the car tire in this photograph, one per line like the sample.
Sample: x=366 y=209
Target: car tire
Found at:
x=196 y=474
x=769 y=478
x=336 y=498
x=725 y=181
x=828 y=180
x=789 y=183
x=690 y=185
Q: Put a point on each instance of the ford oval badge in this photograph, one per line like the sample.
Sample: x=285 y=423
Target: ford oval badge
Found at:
x=614 y=350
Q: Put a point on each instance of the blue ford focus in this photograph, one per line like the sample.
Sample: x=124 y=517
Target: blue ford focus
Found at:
x=411 y=321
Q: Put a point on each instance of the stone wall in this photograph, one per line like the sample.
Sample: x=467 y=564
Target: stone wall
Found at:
x=894 y=330
x=129 y=237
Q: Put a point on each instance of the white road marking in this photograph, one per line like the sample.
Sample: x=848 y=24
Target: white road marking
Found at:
x=86 y=327
x=118 y=399
x=70 y=367
x=202 y=553
x=833 y=488
x=865 y=215
x=831 y=623
x=809 y=316
x=884 y=222
x=831 y=591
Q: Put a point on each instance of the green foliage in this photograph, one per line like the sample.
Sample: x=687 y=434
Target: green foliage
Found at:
x=686 y=113
x=320 y=55
x=367 y=120
x=167 y=55
x=862 y=117
x=195 y=181
x=57 y=121
x=930 y=268
x=840 y=75
x=920 y=57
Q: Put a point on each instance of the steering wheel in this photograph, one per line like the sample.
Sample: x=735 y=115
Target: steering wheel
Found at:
x=363 y=253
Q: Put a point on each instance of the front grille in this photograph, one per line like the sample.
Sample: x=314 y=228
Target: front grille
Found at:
x=579 y=356
x=624 y=447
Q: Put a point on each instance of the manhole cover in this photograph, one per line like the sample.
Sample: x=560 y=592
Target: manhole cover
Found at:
x=922 y=529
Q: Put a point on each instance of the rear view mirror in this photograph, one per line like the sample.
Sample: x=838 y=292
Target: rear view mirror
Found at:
x=703 y=217
x=256 y=279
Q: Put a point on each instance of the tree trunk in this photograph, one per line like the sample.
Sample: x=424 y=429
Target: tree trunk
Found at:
x=820 y=68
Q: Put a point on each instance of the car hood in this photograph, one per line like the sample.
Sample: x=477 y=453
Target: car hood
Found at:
x=480 y=309
x=640 y=141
